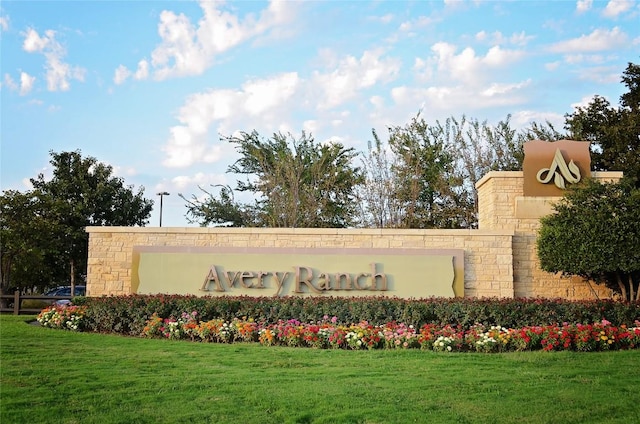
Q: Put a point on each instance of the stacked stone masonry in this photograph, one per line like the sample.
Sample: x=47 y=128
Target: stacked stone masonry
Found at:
x=499 y=258
x=499 y=195
x=488 y=264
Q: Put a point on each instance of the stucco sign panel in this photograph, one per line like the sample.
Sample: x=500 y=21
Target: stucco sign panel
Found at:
x=405 y=273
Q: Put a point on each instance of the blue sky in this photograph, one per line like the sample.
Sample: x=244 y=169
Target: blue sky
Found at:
x=148 y=87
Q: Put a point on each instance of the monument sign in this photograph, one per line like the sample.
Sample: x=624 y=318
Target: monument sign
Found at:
x=550 y=167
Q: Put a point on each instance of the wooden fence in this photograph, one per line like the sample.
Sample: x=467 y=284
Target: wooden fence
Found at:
x=14 y=302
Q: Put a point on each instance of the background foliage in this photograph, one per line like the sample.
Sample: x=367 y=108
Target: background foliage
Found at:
x=44 y=241
x=422 y=175
x=595 y=233
x=129 y=314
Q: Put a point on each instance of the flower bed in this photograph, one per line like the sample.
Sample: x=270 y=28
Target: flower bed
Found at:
x=160 y=317
x=329 y=335
x=129 y=314
x=67 y=317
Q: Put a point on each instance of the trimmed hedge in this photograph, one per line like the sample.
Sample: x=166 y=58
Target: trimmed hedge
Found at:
x=129 y=314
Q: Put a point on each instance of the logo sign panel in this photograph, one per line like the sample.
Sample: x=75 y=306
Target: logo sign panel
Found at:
x=215 y=271
x=550 y=167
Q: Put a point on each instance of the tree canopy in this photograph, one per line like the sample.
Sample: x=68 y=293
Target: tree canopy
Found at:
x=28 y=254
x=297 y=182
x=613 y=131
x=595 y=234
x=424 y=176
x=45 y=227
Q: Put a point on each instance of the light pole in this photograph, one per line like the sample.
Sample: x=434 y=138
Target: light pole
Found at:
x=161 y=194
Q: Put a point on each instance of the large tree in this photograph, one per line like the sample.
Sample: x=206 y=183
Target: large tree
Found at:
x=379 y=206
x=81 y=192
x=614 y=132
x=28 y=255
x=219 y=210
x=297 y=182
x=595 y=234
x=428 y=187
x=425 y=175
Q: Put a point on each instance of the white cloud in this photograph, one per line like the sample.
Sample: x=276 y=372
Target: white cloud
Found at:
x=189 y=49
x=4 y=23
x=497 y=89
x=143 y=70
x=616 y=7
x=10 y=83
x=453 y=81
x=260 y=100
x=583 y=6
x=268 y=104
x=466 y=66
x=520 y=39
x=58 y=72
x=600 y=74
x=121 y=74
x=310 y=126
x=497 y=38
x=453 y=3
x=120 y=171
x=352 y=75
x=377 y=101
x=26 y=83
x=445 y=100
x=34 y=43
x=385 y=19
x=598 y=40
x=552 y=66
x=482 y=35
x=420 y=22
x=525 y=118
x=584 y=102
x=584 y=58
x=422 y=69
x=266 y=94
x=26 y=183
x=200 y=178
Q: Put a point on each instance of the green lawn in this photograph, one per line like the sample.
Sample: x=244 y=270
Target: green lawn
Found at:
x=54 y=376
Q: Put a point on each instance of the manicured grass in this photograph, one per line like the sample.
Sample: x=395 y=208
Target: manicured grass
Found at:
x=54 y=376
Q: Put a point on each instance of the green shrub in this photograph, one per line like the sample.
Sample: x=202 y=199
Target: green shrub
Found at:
x=128 y=314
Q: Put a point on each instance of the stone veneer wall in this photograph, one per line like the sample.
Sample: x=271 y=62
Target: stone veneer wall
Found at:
x=503 y=207
x=487 y=259
x=500 y=258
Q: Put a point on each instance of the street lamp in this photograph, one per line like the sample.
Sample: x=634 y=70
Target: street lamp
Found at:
x=161 y=194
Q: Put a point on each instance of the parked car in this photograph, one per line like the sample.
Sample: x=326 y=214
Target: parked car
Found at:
x=66 y=291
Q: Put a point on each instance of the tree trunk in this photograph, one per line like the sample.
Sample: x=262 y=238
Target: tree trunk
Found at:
x=73 y=277
x=623 y=290
x=631 y=284
x=631 y=295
